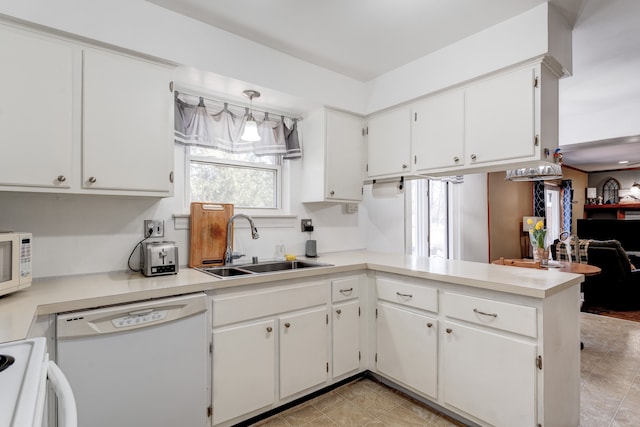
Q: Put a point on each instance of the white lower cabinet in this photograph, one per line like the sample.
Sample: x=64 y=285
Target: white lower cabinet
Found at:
x=407 y=349
x=346 y=337
x=489 y=376
x=243 y=369
x=269 y=346
x=303 y=351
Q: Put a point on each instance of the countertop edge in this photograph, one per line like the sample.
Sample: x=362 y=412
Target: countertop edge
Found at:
x=47 y=296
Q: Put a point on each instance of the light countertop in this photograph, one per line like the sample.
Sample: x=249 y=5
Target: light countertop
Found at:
x=67 y=293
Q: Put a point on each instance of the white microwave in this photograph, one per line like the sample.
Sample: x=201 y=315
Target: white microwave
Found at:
x=15 y=261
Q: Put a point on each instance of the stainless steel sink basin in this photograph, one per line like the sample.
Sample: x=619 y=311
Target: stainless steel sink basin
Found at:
x=261 y=268
x=224 y=271
x=282 y=266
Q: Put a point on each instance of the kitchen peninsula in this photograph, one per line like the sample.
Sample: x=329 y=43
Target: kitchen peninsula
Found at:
x=492 y=344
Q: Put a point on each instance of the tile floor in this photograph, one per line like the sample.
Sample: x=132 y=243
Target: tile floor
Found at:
x=610 y=389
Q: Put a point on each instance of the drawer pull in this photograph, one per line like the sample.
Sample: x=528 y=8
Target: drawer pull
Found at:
x=475 y=310
x=338 y=312
x=287 y=325
x=449 y=330
x=269 y=329
x=346 y=291
x=429 y=325
x=404 y=295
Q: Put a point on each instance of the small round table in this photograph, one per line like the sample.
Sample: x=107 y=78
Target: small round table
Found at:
x=565 y=266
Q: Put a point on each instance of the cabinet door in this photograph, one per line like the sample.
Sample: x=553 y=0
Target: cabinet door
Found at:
x=127 y=123
x=437 y=134
x=407 y=348
x=303 y=351
x=389 y=143
x=344 y=156
x=489 y=376
x=243 y=369
x=36 y=111
x=346 y=337
x=500 y=119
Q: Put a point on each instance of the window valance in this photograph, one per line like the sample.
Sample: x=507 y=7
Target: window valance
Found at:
x=219 y=125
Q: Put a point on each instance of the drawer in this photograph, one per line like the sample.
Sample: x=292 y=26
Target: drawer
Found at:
x=418 y=296
x=267 y=302
x=515 y=318
x=346 y=288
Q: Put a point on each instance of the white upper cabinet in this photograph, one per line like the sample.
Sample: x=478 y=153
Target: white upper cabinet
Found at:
x=389 y=143
x=78 y=119
x=333 y=168
x=500 y=118
x=505 y=120
x=127 y=112
x=437 y=134
x=36 y=110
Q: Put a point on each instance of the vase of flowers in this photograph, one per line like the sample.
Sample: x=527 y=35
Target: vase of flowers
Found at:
x=538 y=236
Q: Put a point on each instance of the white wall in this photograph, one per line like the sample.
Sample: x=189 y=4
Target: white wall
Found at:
x=602 y=99
x=470 y=219
x=385 y=219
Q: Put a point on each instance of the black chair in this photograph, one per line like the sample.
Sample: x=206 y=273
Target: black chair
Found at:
x=618 y=285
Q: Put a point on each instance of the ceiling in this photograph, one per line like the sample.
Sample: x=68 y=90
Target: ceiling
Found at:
x=361 y=39
x=364 y=39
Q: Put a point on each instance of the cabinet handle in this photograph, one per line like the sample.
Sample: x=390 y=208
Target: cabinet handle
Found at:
x=429 y=325
x=404 y=166
x=338 y=311
x=92 y=179
x=473 y=157
x=475 y=310
x=269 y=329
x=62 y=178
x=346 y=291
x=404 y=295
x=287 y=325
x=449 y=330
x=171 y=177
x=331 y=193
x=456 y=159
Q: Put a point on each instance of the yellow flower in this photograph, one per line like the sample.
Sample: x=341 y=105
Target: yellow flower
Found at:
x=539 y=225
x=529 y=221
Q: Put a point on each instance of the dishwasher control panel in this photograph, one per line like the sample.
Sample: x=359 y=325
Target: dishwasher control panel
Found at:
x=134 y=319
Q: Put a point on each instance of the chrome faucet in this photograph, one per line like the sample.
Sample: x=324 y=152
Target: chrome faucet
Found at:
x=229 y=255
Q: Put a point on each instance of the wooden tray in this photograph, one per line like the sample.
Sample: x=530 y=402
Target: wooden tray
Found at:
x=208 y=233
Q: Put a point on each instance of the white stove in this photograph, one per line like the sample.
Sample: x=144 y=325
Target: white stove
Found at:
x=24 y=369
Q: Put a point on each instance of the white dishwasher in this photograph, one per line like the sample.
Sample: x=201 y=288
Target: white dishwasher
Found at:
x=141 y=364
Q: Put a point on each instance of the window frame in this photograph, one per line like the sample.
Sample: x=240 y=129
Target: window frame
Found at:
x=278 y=168
x=418 y=207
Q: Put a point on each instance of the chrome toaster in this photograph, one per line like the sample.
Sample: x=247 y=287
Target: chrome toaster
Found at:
x=158 y=258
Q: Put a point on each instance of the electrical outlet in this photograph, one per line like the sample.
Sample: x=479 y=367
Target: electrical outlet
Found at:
x=306 y=225
x=153 y=228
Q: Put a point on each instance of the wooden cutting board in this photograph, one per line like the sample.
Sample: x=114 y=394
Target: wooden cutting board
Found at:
x=208 y=233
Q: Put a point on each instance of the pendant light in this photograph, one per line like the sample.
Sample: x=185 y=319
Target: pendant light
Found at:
x=250 y=132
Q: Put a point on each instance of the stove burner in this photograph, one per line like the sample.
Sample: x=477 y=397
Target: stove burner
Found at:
x=6 y=361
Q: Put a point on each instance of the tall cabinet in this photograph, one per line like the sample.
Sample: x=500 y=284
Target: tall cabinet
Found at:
x=333 y=160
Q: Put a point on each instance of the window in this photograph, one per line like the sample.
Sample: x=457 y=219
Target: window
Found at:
x=610 y=191
x=428 y=234
x=244 y=179
x=552 y=213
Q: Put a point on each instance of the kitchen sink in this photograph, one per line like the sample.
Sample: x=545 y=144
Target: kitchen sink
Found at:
x=282 y=266
x=261 y=268
x=224 y=271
